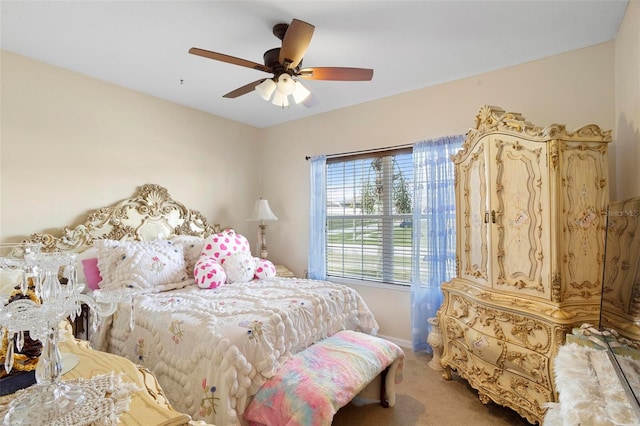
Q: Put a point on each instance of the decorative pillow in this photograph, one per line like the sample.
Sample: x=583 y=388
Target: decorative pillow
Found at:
x=223 y=244
x=87 y=254
x=264 y=268
x=209 y=273
x=192 y=247
x=140 y=264
x=239 y=267
x=91 y=273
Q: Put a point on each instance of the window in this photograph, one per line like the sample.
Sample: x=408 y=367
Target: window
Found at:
x=369 y=216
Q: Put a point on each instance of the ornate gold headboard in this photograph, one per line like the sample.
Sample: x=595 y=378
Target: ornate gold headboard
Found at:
x=151 y=213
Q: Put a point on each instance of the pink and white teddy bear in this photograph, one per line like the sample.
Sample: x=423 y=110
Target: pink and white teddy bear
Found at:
x=226 y=258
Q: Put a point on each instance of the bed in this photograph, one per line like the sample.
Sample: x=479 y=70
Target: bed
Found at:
x=210 y=349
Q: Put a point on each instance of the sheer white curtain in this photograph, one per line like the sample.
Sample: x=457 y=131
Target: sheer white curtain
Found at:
x=434 y=230
x=317 y=219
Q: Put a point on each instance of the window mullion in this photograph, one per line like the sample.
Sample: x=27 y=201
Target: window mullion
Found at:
x=387 y=221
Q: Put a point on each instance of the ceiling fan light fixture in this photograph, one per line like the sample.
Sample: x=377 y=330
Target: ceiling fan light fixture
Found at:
x=266 y=89
x=280 y=100
x=286 y=84
x=300 y=93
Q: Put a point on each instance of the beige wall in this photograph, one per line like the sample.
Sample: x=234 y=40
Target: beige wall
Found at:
x=626 y=152
x=575 y=89
x=70 y=144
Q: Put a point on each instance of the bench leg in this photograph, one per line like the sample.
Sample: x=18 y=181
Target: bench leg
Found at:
x=383 y=388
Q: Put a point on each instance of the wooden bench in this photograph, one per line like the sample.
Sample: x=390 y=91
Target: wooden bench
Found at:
x=311 y=386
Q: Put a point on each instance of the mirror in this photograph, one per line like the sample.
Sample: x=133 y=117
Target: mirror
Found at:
x=620 y=310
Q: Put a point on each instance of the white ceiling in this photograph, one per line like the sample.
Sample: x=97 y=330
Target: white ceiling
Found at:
x=142 y=45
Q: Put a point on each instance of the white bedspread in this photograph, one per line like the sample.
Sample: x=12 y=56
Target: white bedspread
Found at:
x=211 y=350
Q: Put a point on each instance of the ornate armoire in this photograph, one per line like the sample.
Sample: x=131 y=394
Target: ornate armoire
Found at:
x=530 y=206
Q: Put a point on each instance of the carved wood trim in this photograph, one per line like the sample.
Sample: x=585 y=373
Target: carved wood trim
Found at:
x=495 y=119
x=150 y=208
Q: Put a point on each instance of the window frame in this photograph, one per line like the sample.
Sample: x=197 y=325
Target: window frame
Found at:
x=387 y=218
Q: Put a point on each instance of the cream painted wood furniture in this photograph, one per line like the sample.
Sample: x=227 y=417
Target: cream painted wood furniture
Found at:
x=531 y=206
x=284 y=272
x=620 y=304
x=147 y=407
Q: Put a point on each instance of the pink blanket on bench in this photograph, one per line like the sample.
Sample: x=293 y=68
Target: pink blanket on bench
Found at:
x=310 y=388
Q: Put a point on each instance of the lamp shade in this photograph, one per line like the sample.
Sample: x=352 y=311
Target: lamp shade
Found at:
x=286 y=84
x=280 y=100
x=262 y=211
x=300 y=93
x=278 y=90
x=266 y=89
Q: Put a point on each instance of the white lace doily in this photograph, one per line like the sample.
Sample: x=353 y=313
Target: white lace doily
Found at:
x=106 y=396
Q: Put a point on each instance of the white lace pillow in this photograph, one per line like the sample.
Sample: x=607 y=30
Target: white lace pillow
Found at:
x=141 y=264
x=239 y=267
x=192 y=247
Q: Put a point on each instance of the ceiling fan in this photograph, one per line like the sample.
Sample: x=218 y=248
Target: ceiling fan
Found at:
x=285 y=63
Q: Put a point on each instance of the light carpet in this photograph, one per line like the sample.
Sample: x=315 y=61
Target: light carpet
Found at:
x=424 y=398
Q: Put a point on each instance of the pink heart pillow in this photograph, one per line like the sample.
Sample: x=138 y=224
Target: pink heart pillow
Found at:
x=208 y=273
x=222 y=245
x=264 y=268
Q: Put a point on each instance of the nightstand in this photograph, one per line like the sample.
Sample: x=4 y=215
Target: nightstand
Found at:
x=283 y=272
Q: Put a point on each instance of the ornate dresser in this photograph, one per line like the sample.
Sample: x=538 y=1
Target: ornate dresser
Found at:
x=531 y=205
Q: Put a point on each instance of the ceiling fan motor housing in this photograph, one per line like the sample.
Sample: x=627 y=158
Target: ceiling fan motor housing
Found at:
x=271 y=59
x=279 y=30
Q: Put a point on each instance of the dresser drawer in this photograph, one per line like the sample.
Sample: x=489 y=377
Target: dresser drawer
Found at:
x=513 y=328
x=505 y=356
x=504 y=387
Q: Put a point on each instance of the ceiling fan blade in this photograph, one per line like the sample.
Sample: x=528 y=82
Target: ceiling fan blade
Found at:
x=244 y=89
x=229 y=59
x=295 y=43
x=336 y=73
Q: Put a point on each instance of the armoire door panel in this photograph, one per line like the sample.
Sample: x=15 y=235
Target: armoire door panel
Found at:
x=474 y=238
x=521 y=228
x=583 y=176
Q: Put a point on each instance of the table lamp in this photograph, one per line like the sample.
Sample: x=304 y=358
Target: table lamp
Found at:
x=262 y=212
